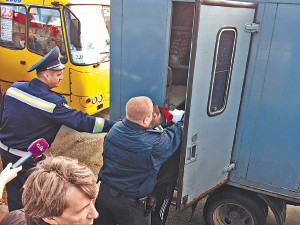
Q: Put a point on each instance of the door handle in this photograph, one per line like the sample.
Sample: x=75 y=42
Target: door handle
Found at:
x=191 y=154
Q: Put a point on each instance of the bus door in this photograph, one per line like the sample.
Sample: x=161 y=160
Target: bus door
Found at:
x=213 y=97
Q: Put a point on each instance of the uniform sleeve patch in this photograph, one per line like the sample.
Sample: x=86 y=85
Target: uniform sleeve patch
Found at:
x=66 y=105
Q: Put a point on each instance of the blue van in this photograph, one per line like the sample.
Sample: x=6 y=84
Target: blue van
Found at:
x=233 y=66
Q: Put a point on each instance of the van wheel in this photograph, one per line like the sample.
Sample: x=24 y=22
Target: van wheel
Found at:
x=234 y=208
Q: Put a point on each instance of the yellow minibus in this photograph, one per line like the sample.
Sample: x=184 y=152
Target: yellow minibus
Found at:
x=31 y=28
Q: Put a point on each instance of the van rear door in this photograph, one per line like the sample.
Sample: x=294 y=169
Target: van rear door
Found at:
x=219 y=54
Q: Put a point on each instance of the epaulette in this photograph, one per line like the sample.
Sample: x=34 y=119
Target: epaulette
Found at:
x=22 y=81
x=155 y=131
x=59 y=94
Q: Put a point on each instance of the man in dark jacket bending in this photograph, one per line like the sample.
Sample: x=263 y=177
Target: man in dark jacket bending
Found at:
x=132 y=156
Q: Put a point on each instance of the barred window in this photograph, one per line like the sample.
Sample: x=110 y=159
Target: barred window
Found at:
x=221 y=74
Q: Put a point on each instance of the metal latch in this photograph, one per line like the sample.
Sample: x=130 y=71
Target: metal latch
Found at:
x=228 y=168
x=191 y=154
x=252 y=27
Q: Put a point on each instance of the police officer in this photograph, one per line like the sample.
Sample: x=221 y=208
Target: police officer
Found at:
x=29 y=111
x=132 y=156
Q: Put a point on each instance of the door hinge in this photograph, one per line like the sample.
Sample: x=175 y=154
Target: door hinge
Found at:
x=252 y=27
x=185 y=199
x=228 y=168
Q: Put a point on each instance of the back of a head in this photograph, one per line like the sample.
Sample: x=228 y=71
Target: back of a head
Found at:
x=155 y=108
x=15 y=35
x=45 y=189
x=138 y=108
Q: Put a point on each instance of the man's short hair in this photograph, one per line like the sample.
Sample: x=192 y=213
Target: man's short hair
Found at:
x=155 y=108
x=41 y=73
x=44 y=192
x=138 y=108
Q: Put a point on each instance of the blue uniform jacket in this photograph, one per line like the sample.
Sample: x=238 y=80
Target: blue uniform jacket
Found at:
x=29 y=111
x=132 y=156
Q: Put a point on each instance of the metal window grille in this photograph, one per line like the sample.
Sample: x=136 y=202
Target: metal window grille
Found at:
x=221 y=72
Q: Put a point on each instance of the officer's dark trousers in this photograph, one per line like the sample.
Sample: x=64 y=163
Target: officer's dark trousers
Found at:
x=118 y=209
x=14 y=187
x=164 y=195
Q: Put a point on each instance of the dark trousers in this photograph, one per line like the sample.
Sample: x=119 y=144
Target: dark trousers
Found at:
x=14 y=187
x=118 y=209
x=164 y=194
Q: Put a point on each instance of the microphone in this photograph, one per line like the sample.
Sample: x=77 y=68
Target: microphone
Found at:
x=36 y=149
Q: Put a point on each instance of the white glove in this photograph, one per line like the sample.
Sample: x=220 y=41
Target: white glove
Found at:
x=177 y=115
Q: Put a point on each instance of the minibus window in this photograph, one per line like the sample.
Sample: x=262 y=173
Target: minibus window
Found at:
x=45 y=31
x=221 y=74
x=89 y=42
x=13 y=18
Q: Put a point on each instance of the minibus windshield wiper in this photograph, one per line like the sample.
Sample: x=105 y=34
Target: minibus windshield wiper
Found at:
x=102 y=60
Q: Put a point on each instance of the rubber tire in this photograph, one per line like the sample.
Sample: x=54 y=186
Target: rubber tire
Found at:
x=250 y=201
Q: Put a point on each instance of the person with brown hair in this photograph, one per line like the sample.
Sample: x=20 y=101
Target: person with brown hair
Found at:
x=168 y=172
x=132 y=156
x=59 y=190
x=16 y=40
x=163 y=117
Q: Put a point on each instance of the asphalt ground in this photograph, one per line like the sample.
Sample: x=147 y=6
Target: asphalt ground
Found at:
x=87 y=148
